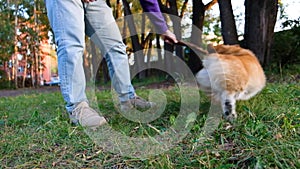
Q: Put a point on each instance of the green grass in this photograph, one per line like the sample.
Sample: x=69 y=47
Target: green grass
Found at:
x=35 y=133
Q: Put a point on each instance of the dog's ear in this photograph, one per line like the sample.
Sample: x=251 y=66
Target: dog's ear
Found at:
x=211 y=49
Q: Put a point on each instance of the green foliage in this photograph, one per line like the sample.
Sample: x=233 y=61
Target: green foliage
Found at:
x=286 y=45
x=23 y=24
x=6 y=33
x=4 y=83
x=291 y=23
x=212 y=24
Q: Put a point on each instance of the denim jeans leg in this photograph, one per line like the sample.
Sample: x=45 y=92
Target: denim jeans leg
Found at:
x=101 y=27
x=67 y=21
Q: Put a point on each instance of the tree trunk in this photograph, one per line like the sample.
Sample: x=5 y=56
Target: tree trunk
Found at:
x=16 y=61
x=229 y=32
x=194 y=62
x=118 y=10
x=105 y=72
x=183 y=8
x=87 y=61
x=168 y=48
x=259 y=27
x=176 y=20
x=36 y=46
x=149 y=52
x=134 y=39
x=159 y=57
x=32 y=64
x=93 y=61
x=143 y=31
x=25 y=72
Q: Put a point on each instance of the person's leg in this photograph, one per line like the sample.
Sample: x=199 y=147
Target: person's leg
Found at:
x=104 y=32
x=67 y=21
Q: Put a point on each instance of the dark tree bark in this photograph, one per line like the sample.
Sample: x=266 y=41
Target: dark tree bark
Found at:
x=105 y=72
x=176 y=25
x=134 y=38
x=86 y=66
x=118 y=11
x=194 y=62
x=132 y=29
x=163 y=8
x=16 y=64
x=158 y=49
x=210 y=4
x=260 y=19
x=143 y=28
x=197 y=20
x=229 y=32
x=183 y=8
x=169 y=48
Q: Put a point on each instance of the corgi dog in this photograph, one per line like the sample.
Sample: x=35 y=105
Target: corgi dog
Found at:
x=229 y=73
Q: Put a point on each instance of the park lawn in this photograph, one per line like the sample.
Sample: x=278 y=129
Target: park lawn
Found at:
x=35 y=133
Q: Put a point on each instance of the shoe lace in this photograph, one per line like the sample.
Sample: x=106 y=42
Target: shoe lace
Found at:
x=77 y=112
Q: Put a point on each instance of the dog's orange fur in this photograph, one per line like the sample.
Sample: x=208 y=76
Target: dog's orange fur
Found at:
x=231 y=73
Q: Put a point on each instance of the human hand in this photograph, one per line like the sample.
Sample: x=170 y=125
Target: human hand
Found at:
x=169 y=37
x=87 y=1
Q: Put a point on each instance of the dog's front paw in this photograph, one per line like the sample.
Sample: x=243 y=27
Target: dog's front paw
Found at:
x=230 y=116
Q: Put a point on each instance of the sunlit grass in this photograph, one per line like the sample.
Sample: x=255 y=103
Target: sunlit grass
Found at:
x=35 y=133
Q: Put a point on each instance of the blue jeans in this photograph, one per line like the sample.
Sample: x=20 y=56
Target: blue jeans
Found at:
x=71 y=20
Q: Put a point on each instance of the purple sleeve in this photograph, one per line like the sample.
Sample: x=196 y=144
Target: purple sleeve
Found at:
x=155 y=15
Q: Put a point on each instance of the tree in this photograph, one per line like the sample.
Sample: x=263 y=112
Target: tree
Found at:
x=134 y=38
x=229 y=32
x=260 y=19
x=24 y=27
x=8 y=37
x=176 y=20
x=286 y=45
x=199 y=9
x=15 y=58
